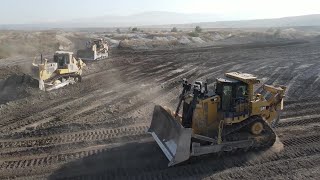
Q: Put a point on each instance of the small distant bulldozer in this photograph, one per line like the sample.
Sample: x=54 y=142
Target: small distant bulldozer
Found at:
x=65 y=70
x=96 y=49
x=227 y=118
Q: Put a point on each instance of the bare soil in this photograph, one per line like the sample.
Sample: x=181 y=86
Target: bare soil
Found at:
x=97 y=129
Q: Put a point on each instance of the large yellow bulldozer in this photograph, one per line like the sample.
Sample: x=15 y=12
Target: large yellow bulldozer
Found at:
x=227 y=118
x=65 y=70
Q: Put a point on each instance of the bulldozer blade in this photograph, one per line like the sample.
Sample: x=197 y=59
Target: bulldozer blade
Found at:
x=275 y=122
x=60 y=85
x=41 y=85
x=173 y=139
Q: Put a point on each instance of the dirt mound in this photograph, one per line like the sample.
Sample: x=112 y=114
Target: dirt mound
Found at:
x=132 y=44
x=7 y=71
x=197 y=40
x=20 y=43
x=16 y=87
x=184 y=40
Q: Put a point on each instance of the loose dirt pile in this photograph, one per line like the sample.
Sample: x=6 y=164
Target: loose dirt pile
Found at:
x=187 y=38
x=31 y=43
x=97 y=129
x=16 y=87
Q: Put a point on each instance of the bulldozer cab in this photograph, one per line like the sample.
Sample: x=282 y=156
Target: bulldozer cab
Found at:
x=234 y=97
x=98 y=43
x=62 y=59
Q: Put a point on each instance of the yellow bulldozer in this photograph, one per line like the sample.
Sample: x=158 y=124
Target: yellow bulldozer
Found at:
x=65 y=70
x=226 y=118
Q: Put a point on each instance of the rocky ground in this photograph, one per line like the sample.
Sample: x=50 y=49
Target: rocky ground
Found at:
x=96 y=129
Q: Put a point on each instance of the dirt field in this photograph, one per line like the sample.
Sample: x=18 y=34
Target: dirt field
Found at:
x=97 y=129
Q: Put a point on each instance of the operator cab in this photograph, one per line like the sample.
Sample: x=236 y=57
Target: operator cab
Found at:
x=62 y=58
x=234 y=97
x=98 y=43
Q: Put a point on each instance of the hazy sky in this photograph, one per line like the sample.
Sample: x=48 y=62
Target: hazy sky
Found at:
x=31 y=11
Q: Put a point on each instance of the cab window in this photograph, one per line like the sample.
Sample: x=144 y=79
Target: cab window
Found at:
x=226 y=97
x=241 y=91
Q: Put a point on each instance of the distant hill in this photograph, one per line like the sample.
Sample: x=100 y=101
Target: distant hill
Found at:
x=294 y=21
x=141 y=19
x=169 y=19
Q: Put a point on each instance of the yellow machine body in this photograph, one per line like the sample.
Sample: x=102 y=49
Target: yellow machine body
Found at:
x=65 y=68
x=206 y=116
x=231 y=109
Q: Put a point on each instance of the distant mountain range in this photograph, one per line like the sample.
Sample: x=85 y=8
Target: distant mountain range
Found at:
x=294 y=21
x=169 y=19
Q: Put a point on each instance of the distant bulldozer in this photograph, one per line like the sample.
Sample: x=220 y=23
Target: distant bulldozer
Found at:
x=96 y=49
x=65 y=70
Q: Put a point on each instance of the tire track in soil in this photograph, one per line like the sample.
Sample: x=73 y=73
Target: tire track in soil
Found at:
x=20 y=122
x=200 y=166
x=294 y=147
x=43 y=106
x=306 y=172
x=299 y=121
x=140 y=103
x=130 y=85
x=152 y=174
x=271 y=169
x=56 y=113
x=50 y=112
x=83 y=136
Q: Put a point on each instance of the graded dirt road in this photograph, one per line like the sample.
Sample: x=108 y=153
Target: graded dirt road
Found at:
x=97 y=129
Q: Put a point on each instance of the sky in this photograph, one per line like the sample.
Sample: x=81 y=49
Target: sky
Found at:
x=41 y=11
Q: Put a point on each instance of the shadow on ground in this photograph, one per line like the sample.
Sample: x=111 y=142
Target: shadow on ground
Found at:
x=143 y=161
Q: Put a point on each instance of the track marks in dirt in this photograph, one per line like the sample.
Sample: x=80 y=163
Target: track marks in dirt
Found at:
x=202 y=166
x=83 y=136
x=299 y=120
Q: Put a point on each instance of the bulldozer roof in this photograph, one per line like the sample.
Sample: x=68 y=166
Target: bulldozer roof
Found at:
x=227 y=80
x=244 y=77
x=63 y=52
x=98 y=39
